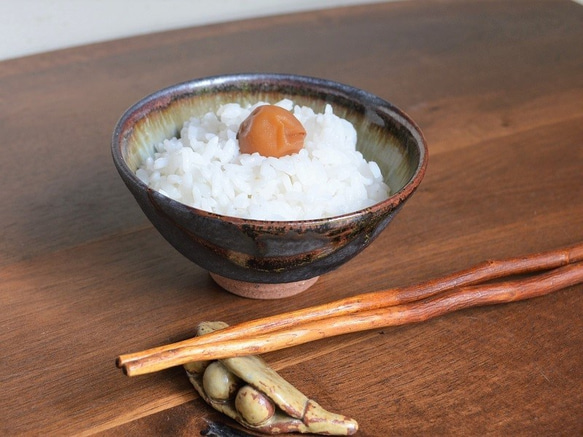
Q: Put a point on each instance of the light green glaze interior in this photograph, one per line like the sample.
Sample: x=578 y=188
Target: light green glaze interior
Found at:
x=375 y=141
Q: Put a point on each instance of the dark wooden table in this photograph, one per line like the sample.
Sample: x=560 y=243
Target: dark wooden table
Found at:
x=496 y=86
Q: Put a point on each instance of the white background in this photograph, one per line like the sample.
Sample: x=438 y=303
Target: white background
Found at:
x=34 y=26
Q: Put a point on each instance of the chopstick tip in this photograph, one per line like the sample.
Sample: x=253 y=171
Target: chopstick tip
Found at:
x=120 y=364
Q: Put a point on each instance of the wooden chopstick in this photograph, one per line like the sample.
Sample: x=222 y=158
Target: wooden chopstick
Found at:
x=485 y=271
x=372 y=310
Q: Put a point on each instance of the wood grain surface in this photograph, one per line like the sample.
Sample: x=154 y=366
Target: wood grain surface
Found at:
x=497 y=88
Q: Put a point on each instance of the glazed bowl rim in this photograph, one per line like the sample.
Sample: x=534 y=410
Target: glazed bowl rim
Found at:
x=164 y=97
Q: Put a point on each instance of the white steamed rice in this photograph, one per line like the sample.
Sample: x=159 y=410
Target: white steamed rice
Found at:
x=204 y=169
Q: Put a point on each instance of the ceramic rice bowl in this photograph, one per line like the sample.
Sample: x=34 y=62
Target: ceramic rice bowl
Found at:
x=270 y=259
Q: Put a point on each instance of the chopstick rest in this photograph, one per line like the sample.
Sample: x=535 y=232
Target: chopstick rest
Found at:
x=249 y=391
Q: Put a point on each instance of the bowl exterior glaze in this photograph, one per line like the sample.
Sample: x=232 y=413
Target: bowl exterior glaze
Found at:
x=270 y=252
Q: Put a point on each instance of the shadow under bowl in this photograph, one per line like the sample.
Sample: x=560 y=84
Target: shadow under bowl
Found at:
x=269 y=259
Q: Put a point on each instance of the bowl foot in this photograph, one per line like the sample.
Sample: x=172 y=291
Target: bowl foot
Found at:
x=254 y=290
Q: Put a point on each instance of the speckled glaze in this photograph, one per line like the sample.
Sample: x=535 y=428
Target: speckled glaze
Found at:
x=264 y=252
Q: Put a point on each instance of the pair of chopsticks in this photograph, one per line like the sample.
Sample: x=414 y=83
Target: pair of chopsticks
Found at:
x=549 y=272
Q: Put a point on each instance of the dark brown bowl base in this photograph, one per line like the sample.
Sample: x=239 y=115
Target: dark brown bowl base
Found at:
x=254 y=290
